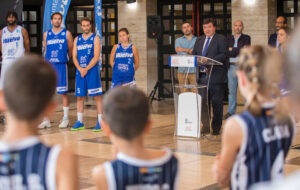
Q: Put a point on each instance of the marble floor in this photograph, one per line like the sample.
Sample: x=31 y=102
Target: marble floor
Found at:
x=196 y=156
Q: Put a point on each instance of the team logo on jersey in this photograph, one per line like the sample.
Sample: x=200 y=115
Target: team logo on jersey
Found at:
x=124 y=55
x=55 y=41
x=7 y=157
x=84 y=46
x=12 y=39
x=83 y=59
x=151 y=170
x=54 y=53
x=49 y=33
x=123 y=67
x=92 y=38
x=11 y=52
x=63 y=33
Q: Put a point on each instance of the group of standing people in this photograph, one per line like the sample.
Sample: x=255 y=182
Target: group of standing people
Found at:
x=255 y=143
x=226 y=51
x=211 y=45
x=85 y=50
x=27 y=98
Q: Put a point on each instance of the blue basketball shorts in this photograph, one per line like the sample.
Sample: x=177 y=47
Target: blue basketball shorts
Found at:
x=62 y=77
x=89 y=84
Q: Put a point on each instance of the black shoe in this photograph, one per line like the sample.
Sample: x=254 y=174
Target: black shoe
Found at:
x=227 y=116
x=216 y=133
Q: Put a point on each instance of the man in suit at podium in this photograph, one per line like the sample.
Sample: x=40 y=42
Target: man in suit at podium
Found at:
x=281 y=22
x=213 y=46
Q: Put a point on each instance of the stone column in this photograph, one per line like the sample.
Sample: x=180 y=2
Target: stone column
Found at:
x=135 y=20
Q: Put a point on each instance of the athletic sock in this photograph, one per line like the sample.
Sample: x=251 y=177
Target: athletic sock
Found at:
x=99 y=118
x=80 y=116
x=66 y=113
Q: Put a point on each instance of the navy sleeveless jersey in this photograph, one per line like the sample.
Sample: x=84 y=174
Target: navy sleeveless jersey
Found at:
x=123 y=69
x=57 y=47
x=263 y=150
x=28 y=164
x=132 y=173
x=85 y=50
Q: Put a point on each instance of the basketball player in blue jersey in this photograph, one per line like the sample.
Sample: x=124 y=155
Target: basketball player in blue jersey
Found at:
x=255 y=143
x=126 y=121
x=86 y=52
x=58 y=43
x=14 y=43
x=124 y=60
x=25 y=161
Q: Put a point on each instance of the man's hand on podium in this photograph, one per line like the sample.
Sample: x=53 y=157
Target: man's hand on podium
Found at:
x=203 y=60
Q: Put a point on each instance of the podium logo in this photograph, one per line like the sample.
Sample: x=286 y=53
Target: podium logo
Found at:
x=188 y=125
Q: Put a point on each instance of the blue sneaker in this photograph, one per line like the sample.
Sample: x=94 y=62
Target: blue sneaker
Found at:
x=97 y=128
x=77 y=126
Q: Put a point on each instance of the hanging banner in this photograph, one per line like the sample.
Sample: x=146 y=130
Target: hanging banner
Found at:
x=52 y=6
x=98 y=25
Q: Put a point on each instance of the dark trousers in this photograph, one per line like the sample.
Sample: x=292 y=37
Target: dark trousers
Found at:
x=215 y=95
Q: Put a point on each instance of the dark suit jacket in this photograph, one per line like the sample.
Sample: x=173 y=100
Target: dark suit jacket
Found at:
x=272 y=40
x=217 y=50
x=244 y=40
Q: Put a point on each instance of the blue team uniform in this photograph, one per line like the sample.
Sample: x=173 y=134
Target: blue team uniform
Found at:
x=91 y=82
x=28 y=164
x=123 y=69
x=57 y=55
x=263 y=150
x=131 y=173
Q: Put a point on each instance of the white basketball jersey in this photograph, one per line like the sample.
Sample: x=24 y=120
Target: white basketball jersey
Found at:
x=12 y=44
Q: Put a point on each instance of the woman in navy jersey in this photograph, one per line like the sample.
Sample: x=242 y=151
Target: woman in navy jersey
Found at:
x=124 y=59
x=255 y=142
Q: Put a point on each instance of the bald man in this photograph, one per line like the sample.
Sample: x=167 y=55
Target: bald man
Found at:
x=235 y=42
x=281 y=22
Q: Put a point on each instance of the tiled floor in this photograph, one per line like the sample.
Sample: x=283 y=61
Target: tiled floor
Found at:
x=196 y=156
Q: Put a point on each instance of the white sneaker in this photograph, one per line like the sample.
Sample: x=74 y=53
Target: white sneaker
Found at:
x=64 y=123
x=45 y=124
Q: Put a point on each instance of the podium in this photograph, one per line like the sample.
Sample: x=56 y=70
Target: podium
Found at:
x=190 y=83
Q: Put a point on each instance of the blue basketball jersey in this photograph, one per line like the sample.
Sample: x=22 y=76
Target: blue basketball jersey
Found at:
x=263 y=151
x=123 y=69
x=57 y=47
x=128 y=173
x=85 y=50
x=28 y=164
